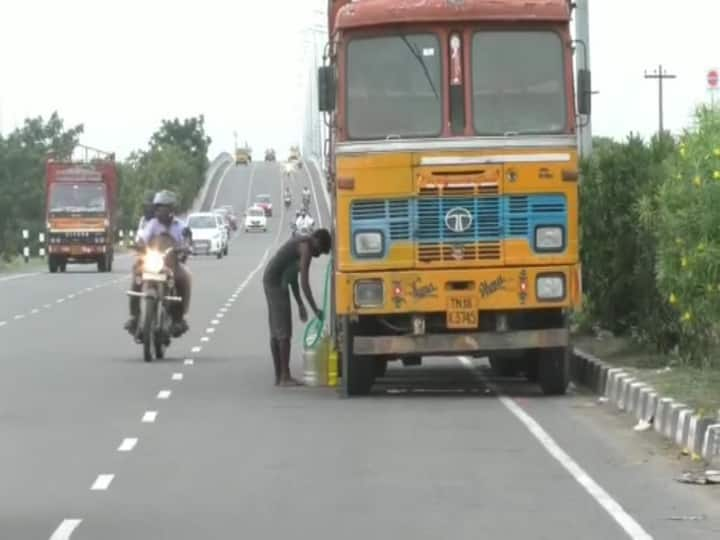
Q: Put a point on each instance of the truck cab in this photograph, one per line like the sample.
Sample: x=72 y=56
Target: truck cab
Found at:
x=453 y=173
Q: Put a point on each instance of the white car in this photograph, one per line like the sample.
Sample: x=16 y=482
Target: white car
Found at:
x=255 y=219
x=208 y=234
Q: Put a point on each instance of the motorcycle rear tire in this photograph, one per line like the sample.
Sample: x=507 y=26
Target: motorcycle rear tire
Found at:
x=149 y=328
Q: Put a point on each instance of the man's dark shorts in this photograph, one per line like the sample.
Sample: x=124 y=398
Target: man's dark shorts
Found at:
x=279 y=312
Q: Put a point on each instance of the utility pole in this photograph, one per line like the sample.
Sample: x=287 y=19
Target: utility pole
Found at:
x=660 y=75
x=582 y=34
x=235 y=136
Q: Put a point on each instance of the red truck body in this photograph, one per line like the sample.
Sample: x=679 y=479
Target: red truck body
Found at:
x=81 y=210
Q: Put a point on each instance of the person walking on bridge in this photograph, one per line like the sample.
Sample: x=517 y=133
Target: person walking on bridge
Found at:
x=281 y=276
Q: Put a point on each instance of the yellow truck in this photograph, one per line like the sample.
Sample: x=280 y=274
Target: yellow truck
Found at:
x=453 y=167
x=243 y=156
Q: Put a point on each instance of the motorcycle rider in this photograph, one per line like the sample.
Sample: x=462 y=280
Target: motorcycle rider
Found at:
x=306 y=196
x=304 y=223
x=164 y=222
x=287 y=196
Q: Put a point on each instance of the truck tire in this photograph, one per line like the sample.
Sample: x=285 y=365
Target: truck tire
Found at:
x=53 y=265
x=554 y=371
x=102 y=264
x=380 y=367
x=148 y=327
x=358 y=373
x=503 y=366
x=412 y=361
x=63 y=265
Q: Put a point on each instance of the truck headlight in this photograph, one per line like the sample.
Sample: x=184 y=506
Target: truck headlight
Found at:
x=549 y=238
x=369 y=293
x=368 y=243
x=550 y=287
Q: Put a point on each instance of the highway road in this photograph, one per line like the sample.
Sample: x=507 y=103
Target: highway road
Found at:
x=97 y=445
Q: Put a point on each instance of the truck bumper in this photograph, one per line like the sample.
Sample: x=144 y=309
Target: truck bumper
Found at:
x=460 y=343
x=77 y=252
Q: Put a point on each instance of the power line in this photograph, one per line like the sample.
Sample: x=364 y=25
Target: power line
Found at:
x=660 y=75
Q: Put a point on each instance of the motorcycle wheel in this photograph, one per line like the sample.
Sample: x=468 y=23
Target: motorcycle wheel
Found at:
x=149 y=328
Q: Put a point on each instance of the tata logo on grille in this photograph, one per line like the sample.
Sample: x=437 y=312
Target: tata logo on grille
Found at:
x=458 y=220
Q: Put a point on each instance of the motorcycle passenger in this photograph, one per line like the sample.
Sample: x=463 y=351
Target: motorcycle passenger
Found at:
x=148 y=213
x=164 y=223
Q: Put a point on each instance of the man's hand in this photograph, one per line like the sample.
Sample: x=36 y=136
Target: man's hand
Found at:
x=303 y=313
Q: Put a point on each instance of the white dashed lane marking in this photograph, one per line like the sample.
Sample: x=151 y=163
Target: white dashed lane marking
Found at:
x=18 y=317
x=65 y=529
x=189 y=362
x=164 y=394
x=127 y=445
x=2 y=323
x=177 y=376
x=149 y=417
x=196 y=349
x=102 y=482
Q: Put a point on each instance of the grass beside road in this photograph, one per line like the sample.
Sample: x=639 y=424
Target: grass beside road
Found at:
x=18 y=265
x=697 y=388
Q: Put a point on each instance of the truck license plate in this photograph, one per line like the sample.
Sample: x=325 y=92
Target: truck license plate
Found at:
x=462 y=312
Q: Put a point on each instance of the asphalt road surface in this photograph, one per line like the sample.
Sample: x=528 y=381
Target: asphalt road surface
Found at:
x=97 y=445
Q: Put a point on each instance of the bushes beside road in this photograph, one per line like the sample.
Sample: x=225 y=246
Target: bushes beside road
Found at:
x=650 y=221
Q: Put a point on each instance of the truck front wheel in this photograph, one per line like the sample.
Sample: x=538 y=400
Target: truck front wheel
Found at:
x=53 y=265
x=358 y=373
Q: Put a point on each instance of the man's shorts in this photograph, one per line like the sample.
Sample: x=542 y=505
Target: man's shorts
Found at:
x=279 y=312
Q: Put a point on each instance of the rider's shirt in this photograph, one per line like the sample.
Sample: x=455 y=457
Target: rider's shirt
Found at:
x=154 y=228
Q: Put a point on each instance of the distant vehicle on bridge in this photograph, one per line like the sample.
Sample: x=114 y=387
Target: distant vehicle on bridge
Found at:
x=270 y=155
x=243 y=156
x=295 y=157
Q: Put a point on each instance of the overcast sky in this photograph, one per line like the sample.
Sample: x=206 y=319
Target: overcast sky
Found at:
x=121 y=66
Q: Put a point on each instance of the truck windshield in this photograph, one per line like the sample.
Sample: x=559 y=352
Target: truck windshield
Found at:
x=394 y=87
x=77 y=198
x=518 y=83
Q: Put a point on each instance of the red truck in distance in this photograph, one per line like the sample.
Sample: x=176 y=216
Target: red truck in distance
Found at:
x=81 y=210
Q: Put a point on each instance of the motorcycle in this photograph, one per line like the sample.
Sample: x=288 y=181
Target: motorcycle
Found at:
x=158 y=294
x=288 y=201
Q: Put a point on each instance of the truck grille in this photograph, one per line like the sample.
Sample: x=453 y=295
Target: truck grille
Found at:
x=494 y=218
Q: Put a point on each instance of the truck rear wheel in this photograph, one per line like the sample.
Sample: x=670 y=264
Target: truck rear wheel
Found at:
x=503 y=366
x=358 y=373
x=102 y=264
x=554 y=371
x=53 y=265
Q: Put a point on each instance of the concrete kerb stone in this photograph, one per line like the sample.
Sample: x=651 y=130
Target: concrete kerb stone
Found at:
x=662 y=414
x=682 y=427
x=672 y=420
x=697 y=429
x=711 y=443
x=612 y=374
x=620 y=382
x=634 y=402
x=625 y=393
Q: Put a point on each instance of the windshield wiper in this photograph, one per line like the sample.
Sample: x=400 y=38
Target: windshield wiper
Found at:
x=419 y=58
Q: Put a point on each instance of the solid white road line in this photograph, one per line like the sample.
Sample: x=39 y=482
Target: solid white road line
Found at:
x=65 y=529
x=220 y=183
x=18 y=276
x=149 y=417
x=127 y=445
x=164 y=394
x=177 y=376
x=102 y=482
x=631 y=527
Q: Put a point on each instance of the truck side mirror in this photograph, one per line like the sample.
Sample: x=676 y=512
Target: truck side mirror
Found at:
x=326 y=89
x=584 y=91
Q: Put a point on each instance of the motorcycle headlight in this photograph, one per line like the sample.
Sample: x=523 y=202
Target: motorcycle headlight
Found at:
x=549 y=238
x=550 y=287
x=368 y=244
x=153 y=262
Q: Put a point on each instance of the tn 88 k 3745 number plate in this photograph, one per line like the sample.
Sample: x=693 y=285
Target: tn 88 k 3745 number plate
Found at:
x=462 y=312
